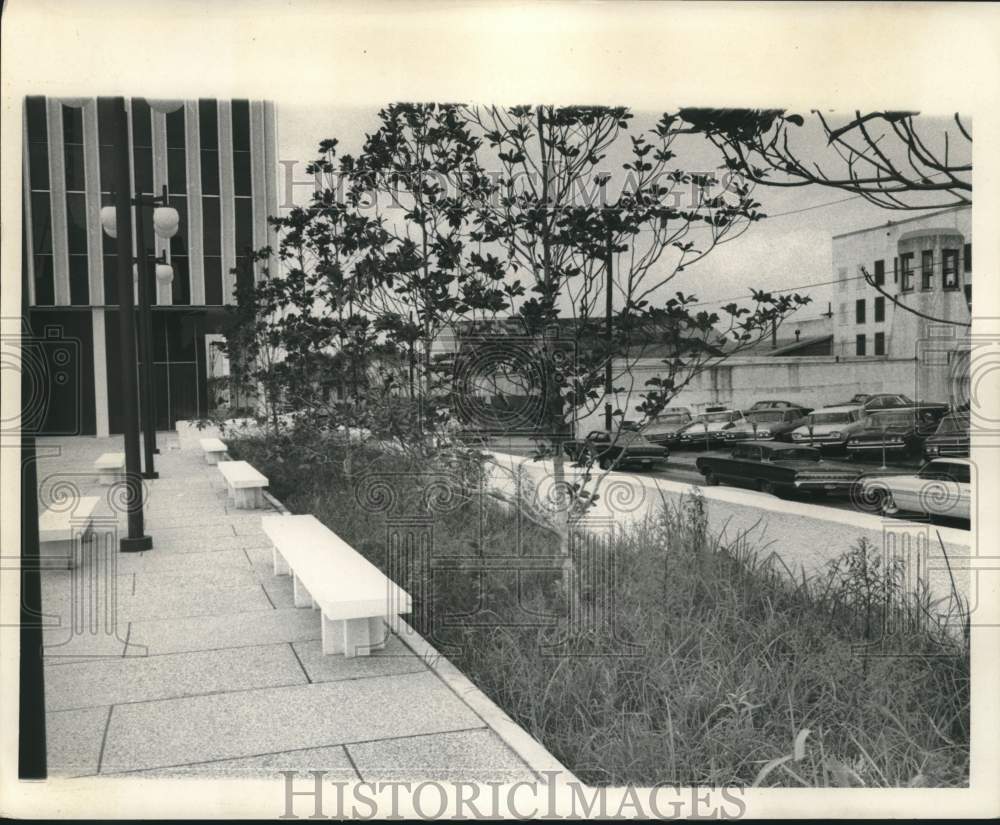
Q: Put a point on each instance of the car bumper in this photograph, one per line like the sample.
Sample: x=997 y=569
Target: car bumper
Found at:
x=827 y=485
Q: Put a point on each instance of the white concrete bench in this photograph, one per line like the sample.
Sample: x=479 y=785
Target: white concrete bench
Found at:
x=353 y=595
x=246 y=485
x=110 y=468
x=214 y=449
x=61 y=533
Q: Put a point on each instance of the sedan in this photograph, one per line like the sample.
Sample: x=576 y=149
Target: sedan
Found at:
x=893 y=432
x=665 y=428
x=943 y=487
x=951 y=437
x=709 y=428
x=829 y=428
x=626 y=448
x=763 y=425
x=779 y=405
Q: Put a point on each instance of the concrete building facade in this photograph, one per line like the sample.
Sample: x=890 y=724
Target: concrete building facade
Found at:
x=217 y=159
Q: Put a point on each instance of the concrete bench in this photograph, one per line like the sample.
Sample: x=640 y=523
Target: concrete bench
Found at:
x=61 y=533
x=110 y=468
x=246 y=485
x=353 y=595
x=214 y=449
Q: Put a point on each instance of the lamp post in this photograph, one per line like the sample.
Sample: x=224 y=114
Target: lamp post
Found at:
x=136 y=540
x=165 y=224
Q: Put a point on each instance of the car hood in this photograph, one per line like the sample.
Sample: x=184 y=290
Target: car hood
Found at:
x=875 y=433
x=823 y=429
x=699 y=428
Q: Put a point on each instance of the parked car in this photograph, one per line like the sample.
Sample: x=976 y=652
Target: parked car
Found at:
x=765 y=424
x=943 y=487
x=894 y=432
x=664 y=429
x=625 y=448
x=870 y=402
x=778 y=469
x=829 y=428
x=708 y=428
x=951 y=437
x=779 y=405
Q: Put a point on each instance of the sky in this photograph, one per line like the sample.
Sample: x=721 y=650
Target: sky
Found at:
x=789 y=248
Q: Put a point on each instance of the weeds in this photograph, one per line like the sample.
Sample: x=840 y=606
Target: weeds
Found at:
x=679 y=658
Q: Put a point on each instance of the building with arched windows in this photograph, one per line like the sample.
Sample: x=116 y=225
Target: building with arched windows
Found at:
x=217 y=160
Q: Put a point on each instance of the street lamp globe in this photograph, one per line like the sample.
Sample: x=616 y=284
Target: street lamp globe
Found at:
x=109 y=221
x=164 y=274
x=166 y=221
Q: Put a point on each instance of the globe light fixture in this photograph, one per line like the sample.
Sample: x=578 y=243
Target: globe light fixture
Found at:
x=166 y=221
x=164 y=274
x=109 y=221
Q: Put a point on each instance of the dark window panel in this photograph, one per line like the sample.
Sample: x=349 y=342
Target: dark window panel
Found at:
x=182 y=337
x=163 y=393
x=213 y=280
x=880 y=272
x=879 y=309
x=859 y=311
x=241 y=125
x=38 y=165
x=175 y=129
x=45 y=283
x=178 y=243
x=160 y=322
x=106 y=121
x=176 y=171
x=76 y=179
x=208 y=124
x=211 y=221
x=242 y=180
x=209 y=172
x=111 y=280
x=243 y=272
x=72 y=125
x=182 y=279
x=143 y=170
x=927 y=269
x=142 y=125
x=108 y=155
x=244 y=225
x=148 y=235
x=880 y=343
x=860 y=345
x=79 y=280
x=183 y=393
x=949 y=269
x=906 y=271
x=41 y=223
x=968 y=257
x=34 y=111
x=76 y=223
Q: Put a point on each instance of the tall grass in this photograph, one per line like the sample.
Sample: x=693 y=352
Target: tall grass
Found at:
x=711 y=666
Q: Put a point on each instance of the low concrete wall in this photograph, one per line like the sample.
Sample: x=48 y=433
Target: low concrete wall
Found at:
x=804 y=536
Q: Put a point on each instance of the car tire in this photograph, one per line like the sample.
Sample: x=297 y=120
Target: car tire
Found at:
x=711 y=480
x=604 y=463
x=766 y=487
x=887 y=504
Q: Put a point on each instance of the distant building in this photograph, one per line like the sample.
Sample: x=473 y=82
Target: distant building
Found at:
x=925 y=262
x=217 y=160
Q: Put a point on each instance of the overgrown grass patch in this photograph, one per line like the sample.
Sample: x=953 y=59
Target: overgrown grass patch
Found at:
x=702 y=664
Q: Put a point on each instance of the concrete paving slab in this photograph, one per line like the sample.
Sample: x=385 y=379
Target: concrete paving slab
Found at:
x=333 y=761
x=204 y=579
x=394 y=658
x=73 y=741
x=61 y=646
x=141 y=679
x=154 y=563
x=179 y=531
x=279 y=592
x=476 y=755
x=232 y=725
x=236 y=630
x=201 y=544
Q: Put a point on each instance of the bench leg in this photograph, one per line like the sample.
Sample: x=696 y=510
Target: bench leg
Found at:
x=357 y=637
x=212 y=458
x=378 y=632
x=110 y=477
x=248 y=498
x=333 y=637
x=300 y=595
x=281 y=567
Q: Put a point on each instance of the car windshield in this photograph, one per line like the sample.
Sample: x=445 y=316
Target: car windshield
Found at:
x=795 y=455
x=715 y=418
x=948 y=470
x=953 y=425
x=830 y=418
x=890 y=419
x=766 y=417
x=861 y=396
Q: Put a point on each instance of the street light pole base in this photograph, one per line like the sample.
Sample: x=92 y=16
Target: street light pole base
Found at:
x=136 y=545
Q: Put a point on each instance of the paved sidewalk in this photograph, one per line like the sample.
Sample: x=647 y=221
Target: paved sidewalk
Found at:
x=190 y=659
